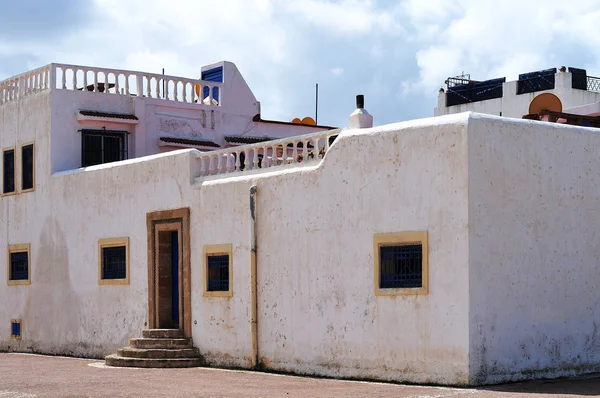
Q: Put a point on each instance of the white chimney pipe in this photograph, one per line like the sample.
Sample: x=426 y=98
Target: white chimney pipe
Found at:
x=360 y=118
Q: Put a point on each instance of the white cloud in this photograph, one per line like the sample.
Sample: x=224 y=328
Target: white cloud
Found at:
x=396 y=53
x=495 y=39
x=346 y=16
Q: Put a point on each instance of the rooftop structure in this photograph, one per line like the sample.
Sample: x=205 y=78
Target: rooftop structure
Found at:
x=573 y=86
x=97 y=115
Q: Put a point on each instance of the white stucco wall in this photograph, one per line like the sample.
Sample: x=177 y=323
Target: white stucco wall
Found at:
x=533 y=238
x=509 y=210
x=516 y=106
x=317 y=309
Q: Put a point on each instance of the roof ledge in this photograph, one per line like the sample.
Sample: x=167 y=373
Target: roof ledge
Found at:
x=110 y=117
x=179 y=142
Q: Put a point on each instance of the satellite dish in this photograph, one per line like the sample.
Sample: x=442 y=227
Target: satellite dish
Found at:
x=545 y=102
x=309 y=120
x=297 y=121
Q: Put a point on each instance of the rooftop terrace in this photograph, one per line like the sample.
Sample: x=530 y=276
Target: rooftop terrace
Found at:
x=110 y=82
x=463 y=90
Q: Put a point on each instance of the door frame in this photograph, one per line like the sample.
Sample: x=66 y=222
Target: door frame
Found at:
x=175 y=219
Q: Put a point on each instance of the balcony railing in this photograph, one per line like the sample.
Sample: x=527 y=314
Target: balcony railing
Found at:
x=283 y=152
x=593 y=84
x=16 y=87
x=110 y=82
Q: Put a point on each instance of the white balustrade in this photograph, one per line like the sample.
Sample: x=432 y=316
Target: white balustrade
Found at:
x=276 y=153
x=110 y=82
x=16 y=87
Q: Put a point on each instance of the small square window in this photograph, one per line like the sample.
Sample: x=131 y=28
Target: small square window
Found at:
x=18 y=265
x=113 y=258
x=401 y=263
x=15 y=329
x=218 y=275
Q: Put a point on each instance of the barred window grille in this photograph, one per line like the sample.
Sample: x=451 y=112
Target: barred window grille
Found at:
x=15 y=329
x=218 y=272
x=27 y=166
x=19 y=266
x=8 y=176
x=114 y=262
x=100 y=146
x=401 y=266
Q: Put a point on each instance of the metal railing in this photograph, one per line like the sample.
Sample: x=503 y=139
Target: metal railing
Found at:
x=593 y=84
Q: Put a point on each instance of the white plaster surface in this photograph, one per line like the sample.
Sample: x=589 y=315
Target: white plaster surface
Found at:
x=534 y=192
x=508 y=206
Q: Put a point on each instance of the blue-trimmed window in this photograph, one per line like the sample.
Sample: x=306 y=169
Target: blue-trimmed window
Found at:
x=401 y=266
x=19 y=265
x=114 y=262
x=218 y=272
x=212 y=75
x=15 y=328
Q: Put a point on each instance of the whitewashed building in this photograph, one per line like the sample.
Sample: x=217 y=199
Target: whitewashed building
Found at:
x=460 y=249
x=572 y=86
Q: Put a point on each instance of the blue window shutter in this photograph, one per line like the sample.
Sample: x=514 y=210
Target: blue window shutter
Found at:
x=212 y=75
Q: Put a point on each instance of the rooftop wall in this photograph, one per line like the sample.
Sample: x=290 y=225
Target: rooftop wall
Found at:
x=533 y=238
x=318 y=313
x=509 y=210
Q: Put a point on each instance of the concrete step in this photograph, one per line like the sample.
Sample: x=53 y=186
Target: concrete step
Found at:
x=162 y=333
x=157 y=353
x=115 y=360
x=149 y=343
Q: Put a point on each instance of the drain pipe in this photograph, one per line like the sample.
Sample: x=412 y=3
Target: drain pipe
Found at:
x=253 y=279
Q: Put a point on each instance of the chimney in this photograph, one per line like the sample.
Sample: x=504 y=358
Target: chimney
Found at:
x=360 y=118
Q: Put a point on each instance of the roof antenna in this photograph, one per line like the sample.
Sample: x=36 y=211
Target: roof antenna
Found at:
x=317 y=103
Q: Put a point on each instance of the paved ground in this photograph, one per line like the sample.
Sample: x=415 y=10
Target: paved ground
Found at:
x=29 y=376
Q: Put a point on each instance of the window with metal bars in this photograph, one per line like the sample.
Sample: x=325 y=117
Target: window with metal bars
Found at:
x=15 y=328
x=401 y=266
x=8 y=171
x=218 y=272
x=27 y=162
x=114 y=262
x=19 y=265
x=101 y=146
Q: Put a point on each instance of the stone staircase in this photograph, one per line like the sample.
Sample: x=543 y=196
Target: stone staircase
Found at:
x=158 y=348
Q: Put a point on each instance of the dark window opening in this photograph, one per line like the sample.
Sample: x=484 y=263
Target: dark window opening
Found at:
x=27 y=159
x=212 y=75
x=8 y=176
x=15 y=329
x=401 y=266
x=99 y=146
x=19 y=266
x=114 y=262
x=218 y=273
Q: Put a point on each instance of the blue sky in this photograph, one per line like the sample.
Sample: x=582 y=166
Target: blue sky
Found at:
x=396 y=53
